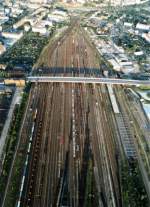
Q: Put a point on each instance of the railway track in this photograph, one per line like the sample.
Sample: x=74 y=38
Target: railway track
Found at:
x=72 y=131
x=103 y=148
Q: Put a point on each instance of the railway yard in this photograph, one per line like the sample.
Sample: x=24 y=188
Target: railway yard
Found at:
x=70 y=55
x=74 y=135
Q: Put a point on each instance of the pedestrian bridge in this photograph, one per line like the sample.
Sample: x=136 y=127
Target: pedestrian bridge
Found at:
x=61 y=79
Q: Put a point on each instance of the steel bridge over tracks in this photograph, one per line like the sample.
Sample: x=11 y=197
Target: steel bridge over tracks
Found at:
x=86 y=80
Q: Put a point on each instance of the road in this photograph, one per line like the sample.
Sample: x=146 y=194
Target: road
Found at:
x=4 y=134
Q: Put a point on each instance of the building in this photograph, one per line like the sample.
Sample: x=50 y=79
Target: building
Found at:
x=125 y=2
x=3 y=66
x=142 y=27
x=146 y=36
x=42 y=27
x=19 y=83
x=39 y=1
x=60 y=13
x=13 y=35
x=128 y=25
x=2 y=49
x=39 y=29
x=139 y=53
x=55 y=18
x=27 y=27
